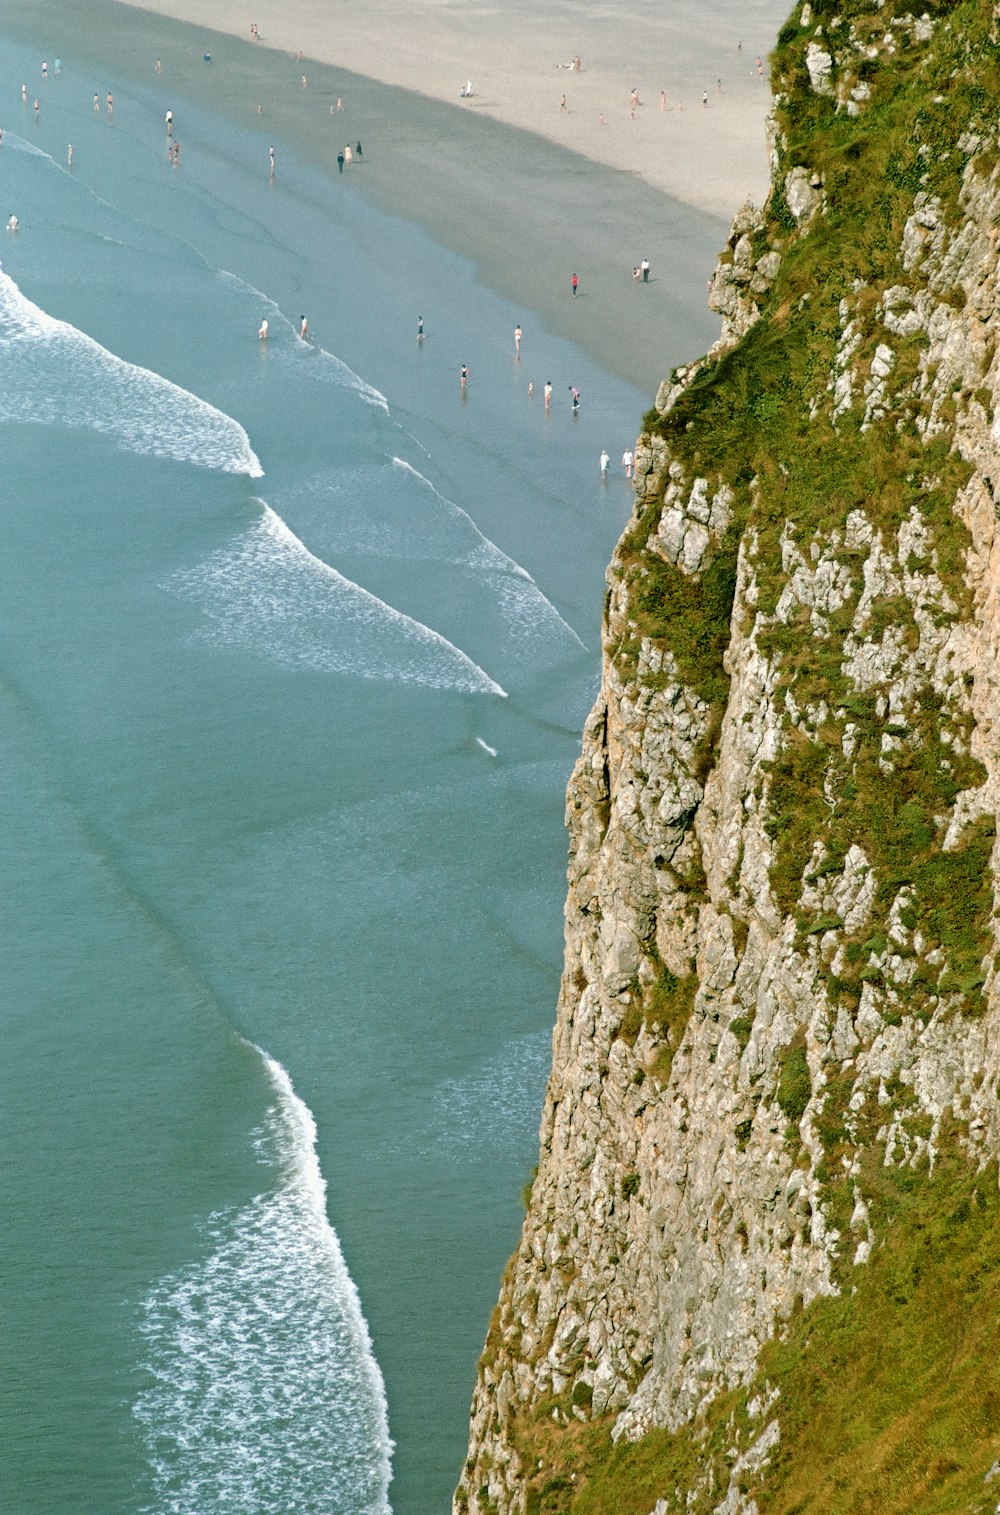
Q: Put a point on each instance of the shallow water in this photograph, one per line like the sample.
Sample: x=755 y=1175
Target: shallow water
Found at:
x=296 y=640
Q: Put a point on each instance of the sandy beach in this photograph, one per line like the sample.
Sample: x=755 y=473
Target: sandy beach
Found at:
x=518 y=57
x=530 y=192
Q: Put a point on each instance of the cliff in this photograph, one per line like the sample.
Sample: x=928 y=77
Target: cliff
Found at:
x=760 y=1265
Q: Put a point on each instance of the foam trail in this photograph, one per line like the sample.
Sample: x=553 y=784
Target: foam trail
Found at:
x=491 y=751
x=331 y=367
x=270 y=594
x=521 y=601
x=264 y=1393
x=53 y=374
x=22 y=145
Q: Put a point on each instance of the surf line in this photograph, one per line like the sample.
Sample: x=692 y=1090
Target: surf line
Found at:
x=271 y=1319
x=279 y=530
x=504 y=563
x=143 y=410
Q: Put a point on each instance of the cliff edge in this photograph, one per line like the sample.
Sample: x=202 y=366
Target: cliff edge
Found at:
x=760 y=1265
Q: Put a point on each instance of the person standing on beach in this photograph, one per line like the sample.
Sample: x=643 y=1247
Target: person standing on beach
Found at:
x=663 y=99
x=357 y=151
x=348 y=155
x=158 y=66
x=605 y=460
x=627 y=461
x=574 y=285
x=562 y=104
x=644 y=265
x=517 y=341
x=340 y=162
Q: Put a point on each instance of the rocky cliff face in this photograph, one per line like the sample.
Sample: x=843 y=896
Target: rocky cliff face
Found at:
x=763 y=1221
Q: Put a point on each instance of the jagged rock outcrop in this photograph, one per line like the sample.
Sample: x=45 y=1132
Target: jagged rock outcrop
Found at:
x=777 y=1050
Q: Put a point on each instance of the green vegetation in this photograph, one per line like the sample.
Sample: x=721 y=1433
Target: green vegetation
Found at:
x=794 y=1085
x=889 y=1393
x=758 y=422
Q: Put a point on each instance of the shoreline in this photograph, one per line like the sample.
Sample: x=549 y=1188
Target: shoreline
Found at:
x=711 y=156
x=525 y=210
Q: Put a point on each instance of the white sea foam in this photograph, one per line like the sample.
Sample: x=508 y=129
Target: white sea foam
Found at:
x=329 y=369
x=264 y=1394
x=268 y=593
x=529 y=614
x=53 y=374
x=22 y=145
x=491 y=751
x=495 y=1107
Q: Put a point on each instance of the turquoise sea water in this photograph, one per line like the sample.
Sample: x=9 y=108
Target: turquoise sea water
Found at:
x=296 y=641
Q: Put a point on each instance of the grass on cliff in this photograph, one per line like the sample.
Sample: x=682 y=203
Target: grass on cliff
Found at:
x=889 y=1393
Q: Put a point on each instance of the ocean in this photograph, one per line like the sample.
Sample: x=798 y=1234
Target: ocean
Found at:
x=296 y=641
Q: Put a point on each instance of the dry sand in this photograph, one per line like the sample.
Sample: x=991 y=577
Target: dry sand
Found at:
x=526 y=191
x=711 y=156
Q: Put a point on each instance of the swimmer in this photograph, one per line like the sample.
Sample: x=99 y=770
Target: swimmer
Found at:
x=517 y=340
x=45 y=71
x=12 y=223
x=463 y=376
x=111 y=105
x=605 y=461
x=24 y=94
x=159 y=66
x=303 y=328
x=169 y=120
x=37 y=109
x=270 y=154
x=531 y=389
x=547 y=391
x=97 y=105
x=575 y=393
x=69 y=156
x=262 y=331
x=420 y=328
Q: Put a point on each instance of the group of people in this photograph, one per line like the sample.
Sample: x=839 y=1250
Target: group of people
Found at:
x=628 y=460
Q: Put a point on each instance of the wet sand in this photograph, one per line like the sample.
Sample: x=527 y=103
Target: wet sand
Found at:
x=528 y=209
